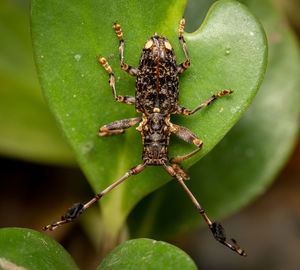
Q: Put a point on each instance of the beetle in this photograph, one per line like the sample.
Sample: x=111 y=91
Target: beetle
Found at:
x=156 y=97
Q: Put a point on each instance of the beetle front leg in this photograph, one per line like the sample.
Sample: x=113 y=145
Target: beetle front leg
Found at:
x=130 y=69
x=125 y=99
x=117 y=127
x=183 y=110
x=186 y=64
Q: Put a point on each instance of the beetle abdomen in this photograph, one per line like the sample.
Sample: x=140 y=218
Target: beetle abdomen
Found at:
x=157 y=79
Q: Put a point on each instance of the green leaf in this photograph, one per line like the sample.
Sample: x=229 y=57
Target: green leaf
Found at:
x=228 y=52
x=28 y=130
x=248 y=159
x=24 y=249
x=147 y=254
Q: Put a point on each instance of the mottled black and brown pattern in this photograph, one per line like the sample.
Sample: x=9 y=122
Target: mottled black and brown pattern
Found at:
x=157 y=78
x=156 y=97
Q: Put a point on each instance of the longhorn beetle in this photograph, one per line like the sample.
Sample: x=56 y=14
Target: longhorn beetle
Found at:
x=156 y=97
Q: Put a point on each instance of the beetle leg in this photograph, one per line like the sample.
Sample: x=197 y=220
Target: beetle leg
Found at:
x=186 y=64
x=125 y=99
x=180 y=171
x=215 y=227
x=130 y=69
x=77 y=209
x=183 y=110
x=186 y=135
x=117 y=127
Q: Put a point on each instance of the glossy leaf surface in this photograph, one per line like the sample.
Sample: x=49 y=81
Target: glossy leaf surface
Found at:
x=24 y=249
x=248 y=159
x=228 y=52
x=27 y=128
x=147 y=254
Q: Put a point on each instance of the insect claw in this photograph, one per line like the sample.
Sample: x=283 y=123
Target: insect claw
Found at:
x=219 y=234
x=218 y=231
x=74 y=212
x=52 y=227
x=45 y=228
x=238 y=248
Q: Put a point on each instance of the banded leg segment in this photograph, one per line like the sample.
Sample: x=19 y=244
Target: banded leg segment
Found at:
x=186 y=64
x=130 y=100
x=183 y=110
x=118 y=126
x=186 y=135
x=215 y=227
x=130 y=69
x=77 y=209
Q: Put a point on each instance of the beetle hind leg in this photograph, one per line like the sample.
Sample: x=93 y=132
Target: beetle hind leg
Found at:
x=129 y=69
x=186 y=64
x=125 y=99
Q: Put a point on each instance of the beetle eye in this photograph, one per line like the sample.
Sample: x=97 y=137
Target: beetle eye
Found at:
x=148 y=44
x=168 y=45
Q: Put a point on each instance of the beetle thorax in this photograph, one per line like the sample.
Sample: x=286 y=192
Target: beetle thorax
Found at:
x=155 y=130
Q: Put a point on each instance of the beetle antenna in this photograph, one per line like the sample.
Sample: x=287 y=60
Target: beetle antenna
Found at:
x=215 y=227
x=77 y=209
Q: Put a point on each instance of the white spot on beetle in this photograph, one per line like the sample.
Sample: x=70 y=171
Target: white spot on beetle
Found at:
x=148 y=44
x=168 y=45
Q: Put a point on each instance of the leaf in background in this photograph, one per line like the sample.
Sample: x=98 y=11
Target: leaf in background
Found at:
x=244 y=164
x=147 y=254
x=32 y=250
x=292 y=9
x=228 y=52
x=27 y=129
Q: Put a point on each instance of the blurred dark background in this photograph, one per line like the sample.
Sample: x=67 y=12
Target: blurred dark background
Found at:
x=33 y=191
x=269 y=228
